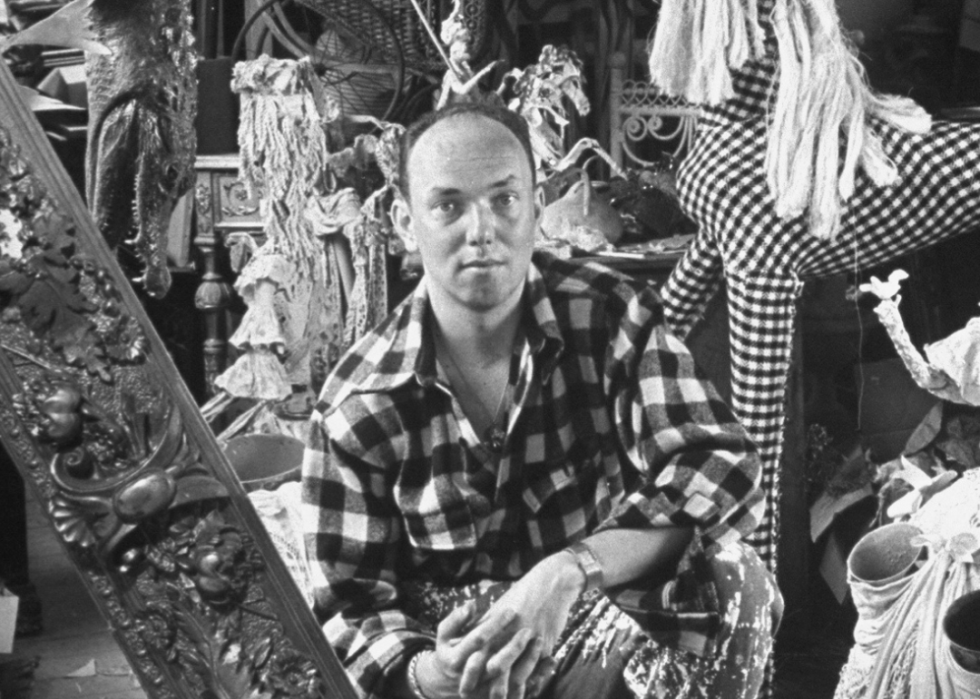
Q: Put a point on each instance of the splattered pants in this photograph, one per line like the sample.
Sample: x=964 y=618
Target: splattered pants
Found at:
x=604 y=653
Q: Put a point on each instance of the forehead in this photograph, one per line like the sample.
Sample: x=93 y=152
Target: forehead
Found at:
x=466 y=151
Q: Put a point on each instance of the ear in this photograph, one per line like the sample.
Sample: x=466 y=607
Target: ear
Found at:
x=401 y=218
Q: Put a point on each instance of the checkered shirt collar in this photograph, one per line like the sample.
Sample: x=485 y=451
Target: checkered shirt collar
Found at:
x=409 y=338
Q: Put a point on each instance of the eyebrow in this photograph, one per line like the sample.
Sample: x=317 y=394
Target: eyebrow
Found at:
x=450 y=191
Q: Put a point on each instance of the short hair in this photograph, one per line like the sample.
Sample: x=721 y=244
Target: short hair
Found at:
x=512 y=121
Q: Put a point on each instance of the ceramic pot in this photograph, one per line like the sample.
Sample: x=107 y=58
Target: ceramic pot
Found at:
x=961 y=624
x=885 y=554
x=265 y=460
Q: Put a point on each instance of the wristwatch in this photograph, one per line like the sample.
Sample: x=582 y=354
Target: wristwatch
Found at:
x=589 y=564
x=413 y=674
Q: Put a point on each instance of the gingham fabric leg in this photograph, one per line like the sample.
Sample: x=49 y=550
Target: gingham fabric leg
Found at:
x=761 y=316
x=694 y=281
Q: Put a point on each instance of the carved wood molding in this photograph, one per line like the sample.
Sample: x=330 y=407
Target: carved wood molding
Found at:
x=98 y=420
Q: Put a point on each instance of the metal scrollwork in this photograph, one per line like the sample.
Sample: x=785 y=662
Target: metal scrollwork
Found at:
x=646 y=113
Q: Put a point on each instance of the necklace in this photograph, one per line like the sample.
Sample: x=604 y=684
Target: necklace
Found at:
x=495 y=433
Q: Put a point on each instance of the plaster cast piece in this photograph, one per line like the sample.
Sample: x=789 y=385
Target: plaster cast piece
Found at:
x=460 y=82
x=142 y=100
x=582 y=218
x=539 y=91
x=952 y=371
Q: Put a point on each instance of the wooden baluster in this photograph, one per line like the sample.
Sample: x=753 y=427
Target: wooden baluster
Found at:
x=214 y=293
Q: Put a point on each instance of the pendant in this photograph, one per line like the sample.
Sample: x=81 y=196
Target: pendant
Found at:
x=494 y=438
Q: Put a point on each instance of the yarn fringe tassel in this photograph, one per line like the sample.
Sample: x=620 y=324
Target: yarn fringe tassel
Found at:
x=697 y=43
x=283 y=146
x=822 y=127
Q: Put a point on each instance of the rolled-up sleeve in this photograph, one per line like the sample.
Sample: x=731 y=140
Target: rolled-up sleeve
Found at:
x=697 y=465
x=353 y=533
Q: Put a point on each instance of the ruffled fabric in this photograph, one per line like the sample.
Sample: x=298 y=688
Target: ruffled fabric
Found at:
x=256 y=374
x=258 y=285
x=292 y=283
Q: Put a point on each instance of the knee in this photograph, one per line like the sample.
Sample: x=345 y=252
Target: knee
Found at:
x=747 y=592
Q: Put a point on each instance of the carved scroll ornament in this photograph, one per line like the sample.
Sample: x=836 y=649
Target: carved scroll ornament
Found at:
x=95 y=415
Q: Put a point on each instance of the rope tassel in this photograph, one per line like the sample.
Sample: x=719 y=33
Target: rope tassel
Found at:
x=829 y=99
x=696 y=44
x=821 y=127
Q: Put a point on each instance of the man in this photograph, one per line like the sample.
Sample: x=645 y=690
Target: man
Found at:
x=516 y=437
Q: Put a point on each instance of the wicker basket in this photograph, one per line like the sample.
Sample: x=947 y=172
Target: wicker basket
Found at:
x=417 y=48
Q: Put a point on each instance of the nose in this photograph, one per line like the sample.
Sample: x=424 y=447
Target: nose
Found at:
x=480 y=230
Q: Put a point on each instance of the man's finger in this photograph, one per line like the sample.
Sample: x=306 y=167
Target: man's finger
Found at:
x=456 y=623
x=501 y=665
x=505 y=658
x=527 y=663
x=472 y=672
x=491 y=632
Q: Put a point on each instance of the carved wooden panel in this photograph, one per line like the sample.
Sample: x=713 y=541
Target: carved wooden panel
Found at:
x=96 y=417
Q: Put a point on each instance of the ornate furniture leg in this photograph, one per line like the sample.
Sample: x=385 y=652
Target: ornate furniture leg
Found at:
x=224 y=208
x=214 y=293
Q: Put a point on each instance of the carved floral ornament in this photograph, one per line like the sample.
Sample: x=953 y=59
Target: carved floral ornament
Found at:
x=150 y=527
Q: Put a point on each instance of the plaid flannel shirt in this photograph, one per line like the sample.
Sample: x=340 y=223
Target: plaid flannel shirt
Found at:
x=610 y=426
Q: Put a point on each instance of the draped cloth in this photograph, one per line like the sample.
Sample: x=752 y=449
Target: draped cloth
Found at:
x=291 y=284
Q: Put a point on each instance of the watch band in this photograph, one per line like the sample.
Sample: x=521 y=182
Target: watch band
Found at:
x=413 y=677
x=589 y=564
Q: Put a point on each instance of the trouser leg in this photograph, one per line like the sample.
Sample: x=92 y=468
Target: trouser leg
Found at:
x=591 y=675
x=751 y=608
x=604 y=654
x=612 y=653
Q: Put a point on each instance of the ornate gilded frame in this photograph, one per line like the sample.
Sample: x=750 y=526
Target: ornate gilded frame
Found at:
x=144 y=502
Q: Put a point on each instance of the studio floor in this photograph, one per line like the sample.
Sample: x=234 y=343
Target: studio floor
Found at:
x=78 y=658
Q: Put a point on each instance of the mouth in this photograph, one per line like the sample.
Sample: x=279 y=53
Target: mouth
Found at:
x=482 y=264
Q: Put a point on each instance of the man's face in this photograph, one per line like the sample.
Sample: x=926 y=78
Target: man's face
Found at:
x=471 y=213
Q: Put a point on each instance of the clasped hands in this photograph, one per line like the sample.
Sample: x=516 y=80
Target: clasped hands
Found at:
x=506 y=652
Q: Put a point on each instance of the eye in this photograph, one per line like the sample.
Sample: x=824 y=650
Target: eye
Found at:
x=506 y=199
x=445 y=209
